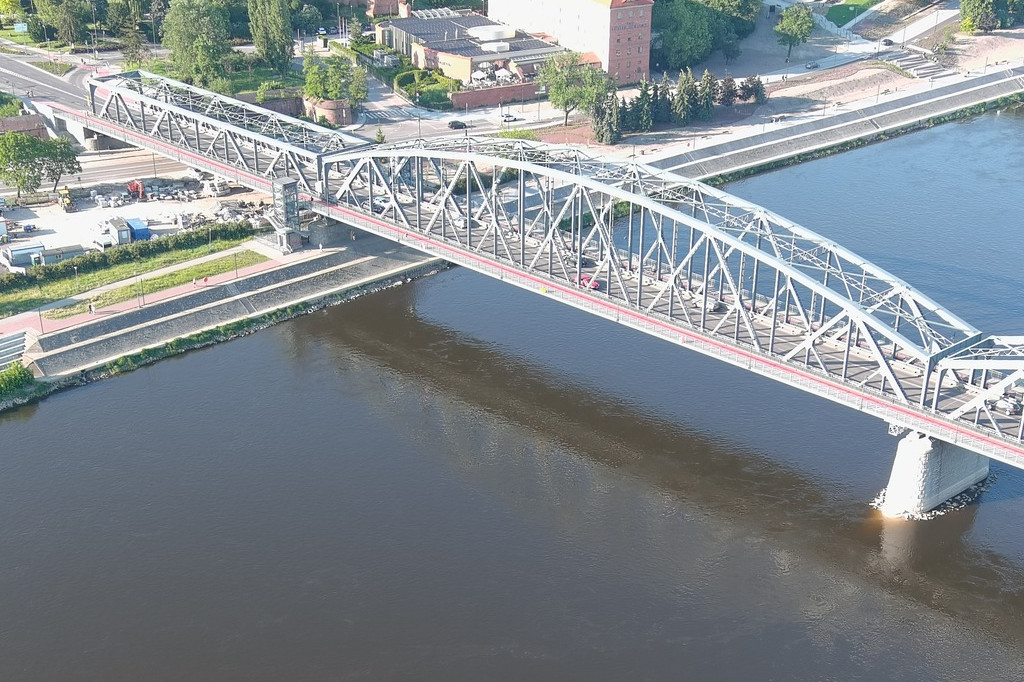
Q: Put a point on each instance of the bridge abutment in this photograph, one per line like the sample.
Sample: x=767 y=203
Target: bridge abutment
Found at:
x=928 y=472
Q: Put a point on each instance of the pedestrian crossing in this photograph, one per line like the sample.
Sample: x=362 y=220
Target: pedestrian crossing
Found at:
x=391 y=114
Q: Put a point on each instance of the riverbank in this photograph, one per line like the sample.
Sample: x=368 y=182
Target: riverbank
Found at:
x=102 y=348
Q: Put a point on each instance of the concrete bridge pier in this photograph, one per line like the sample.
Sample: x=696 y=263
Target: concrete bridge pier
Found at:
x=928 y=472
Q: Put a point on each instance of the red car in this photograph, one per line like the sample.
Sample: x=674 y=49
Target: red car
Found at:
x=589 y=282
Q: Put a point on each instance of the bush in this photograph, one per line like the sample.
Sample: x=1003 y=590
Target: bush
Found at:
x=9 y=106
x=14 y=379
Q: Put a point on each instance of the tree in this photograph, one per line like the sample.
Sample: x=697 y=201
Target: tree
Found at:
x=979 y=15
x=571 y=84
x=684 y=101
x=727 y=91
x=314 y=71
x=270 y=23
x=662 y=104
x=118 y=20
x=706 y=97
x=334 y=78
x=197 y=33
x=307 y=19
x=642 y=105
x=686 y=30
x=19 y=161
x=10 y=7
x=731 y=49
x=58 y=158
x=100 y=8
x=379 y=137
x=753 y=88
x=794 y=27
x=67 y=16
x=157 y=12
x=133 y=48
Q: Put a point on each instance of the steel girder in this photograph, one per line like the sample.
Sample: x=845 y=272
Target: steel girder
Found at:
x=226 y=131
x=675 y=250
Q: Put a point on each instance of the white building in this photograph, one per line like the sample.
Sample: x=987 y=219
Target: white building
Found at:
x=616 y=32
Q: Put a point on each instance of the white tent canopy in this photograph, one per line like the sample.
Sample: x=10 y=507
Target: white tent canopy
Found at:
x=479 y=75
x=502 y=73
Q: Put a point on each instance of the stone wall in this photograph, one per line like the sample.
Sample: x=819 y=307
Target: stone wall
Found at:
x=489 y=97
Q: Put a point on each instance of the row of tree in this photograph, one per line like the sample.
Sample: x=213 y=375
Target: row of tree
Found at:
x=334 y=77
x=25 y=161
x=680 y=104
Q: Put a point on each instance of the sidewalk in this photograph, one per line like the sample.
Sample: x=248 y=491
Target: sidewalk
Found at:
x=34 y=319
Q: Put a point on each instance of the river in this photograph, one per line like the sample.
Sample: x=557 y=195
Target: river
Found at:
x=459 y=480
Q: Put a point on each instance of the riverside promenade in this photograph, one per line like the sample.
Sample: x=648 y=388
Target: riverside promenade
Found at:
x=85 y=342
x=877 y=117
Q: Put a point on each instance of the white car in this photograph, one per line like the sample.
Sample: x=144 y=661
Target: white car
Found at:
x=1008 y=405
x=508 y=118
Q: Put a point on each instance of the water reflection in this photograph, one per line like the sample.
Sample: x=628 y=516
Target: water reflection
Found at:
x=740 y=493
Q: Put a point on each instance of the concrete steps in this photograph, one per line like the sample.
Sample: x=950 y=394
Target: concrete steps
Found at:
x=916 y=64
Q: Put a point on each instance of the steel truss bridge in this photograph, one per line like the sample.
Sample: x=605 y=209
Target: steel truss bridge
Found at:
x=640 y=246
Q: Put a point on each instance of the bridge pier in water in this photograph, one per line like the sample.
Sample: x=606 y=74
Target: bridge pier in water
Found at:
x=928 y=472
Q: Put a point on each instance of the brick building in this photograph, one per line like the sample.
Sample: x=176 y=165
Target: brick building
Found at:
x=616 y=32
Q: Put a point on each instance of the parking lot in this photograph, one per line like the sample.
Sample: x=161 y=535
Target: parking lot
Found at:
x=55 y=228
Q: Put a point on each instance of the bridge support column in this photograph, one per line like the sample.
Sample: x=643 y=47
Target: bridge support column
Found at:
x=927 y=472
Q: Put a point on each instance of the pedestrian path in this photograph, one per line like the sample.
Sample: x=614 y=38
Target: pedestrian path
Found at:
x=36 y=321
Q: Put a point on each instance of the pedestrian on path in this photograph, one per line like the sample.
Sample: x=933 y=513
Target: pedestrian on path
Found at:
x=321 y=246
x=206 y=280
x=92 y=308
x=193 y=281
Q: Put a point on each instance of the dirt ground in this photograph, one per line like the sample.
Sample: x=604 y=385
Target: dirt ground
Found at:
x=805 y=91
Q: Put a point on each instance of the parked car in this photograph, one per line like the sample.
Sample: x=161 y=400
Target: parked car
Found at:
x=811 y=65
x=333 y=30
x=321 y=31
x=1008 y=405
x=508 y=118
x=456 y=125
x=886 y=42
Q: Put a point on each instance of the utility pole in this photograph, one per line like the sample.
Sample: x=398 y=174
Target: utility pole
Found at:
x=95 y=50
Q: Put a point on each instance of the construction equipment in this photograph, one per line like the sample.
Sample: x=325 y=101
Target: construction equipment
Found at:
x=65 y=200
x=136 y=188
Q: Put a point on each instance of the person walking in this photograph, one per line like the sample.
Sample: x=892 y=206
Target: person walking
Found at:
x=92 y=308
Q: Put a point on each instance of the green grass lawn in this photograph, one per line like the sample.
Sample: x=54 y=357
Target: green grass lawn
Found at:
x=56 y=68
x=241 y=81
x=14 y=302
x=165 y=281
x=842 y=14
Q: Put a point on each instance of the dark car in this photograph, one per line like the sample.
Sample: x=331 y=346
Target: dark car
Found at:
x=886 y=42
x=456 y=125
x=333 y=30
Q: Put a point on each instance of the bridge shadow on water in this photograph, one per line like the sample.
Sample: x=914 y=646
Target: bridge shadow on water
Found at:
x=932 y=563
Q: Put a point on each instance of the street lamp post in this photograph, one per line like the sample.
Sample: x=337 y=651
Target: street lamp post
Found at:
x=236 y=264
x=95 y=50
x=76 y=279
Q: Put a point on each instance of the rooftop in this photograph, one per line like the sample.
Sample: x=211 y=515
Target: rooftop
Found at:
x=465 y=34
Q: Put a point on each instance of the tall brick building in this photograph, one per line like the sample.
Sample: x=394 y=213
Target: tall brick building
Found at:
x=616 y=32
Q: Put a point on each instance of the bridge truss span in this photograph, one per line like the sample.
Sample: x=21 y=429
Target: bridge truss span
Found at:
x=666 y=252
x=637 y=245
x=222 y=129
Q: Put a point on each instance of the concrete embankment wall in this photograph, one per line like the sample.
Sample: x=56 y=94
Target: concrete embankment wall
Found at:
x=92 y=345
x=775 y=147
